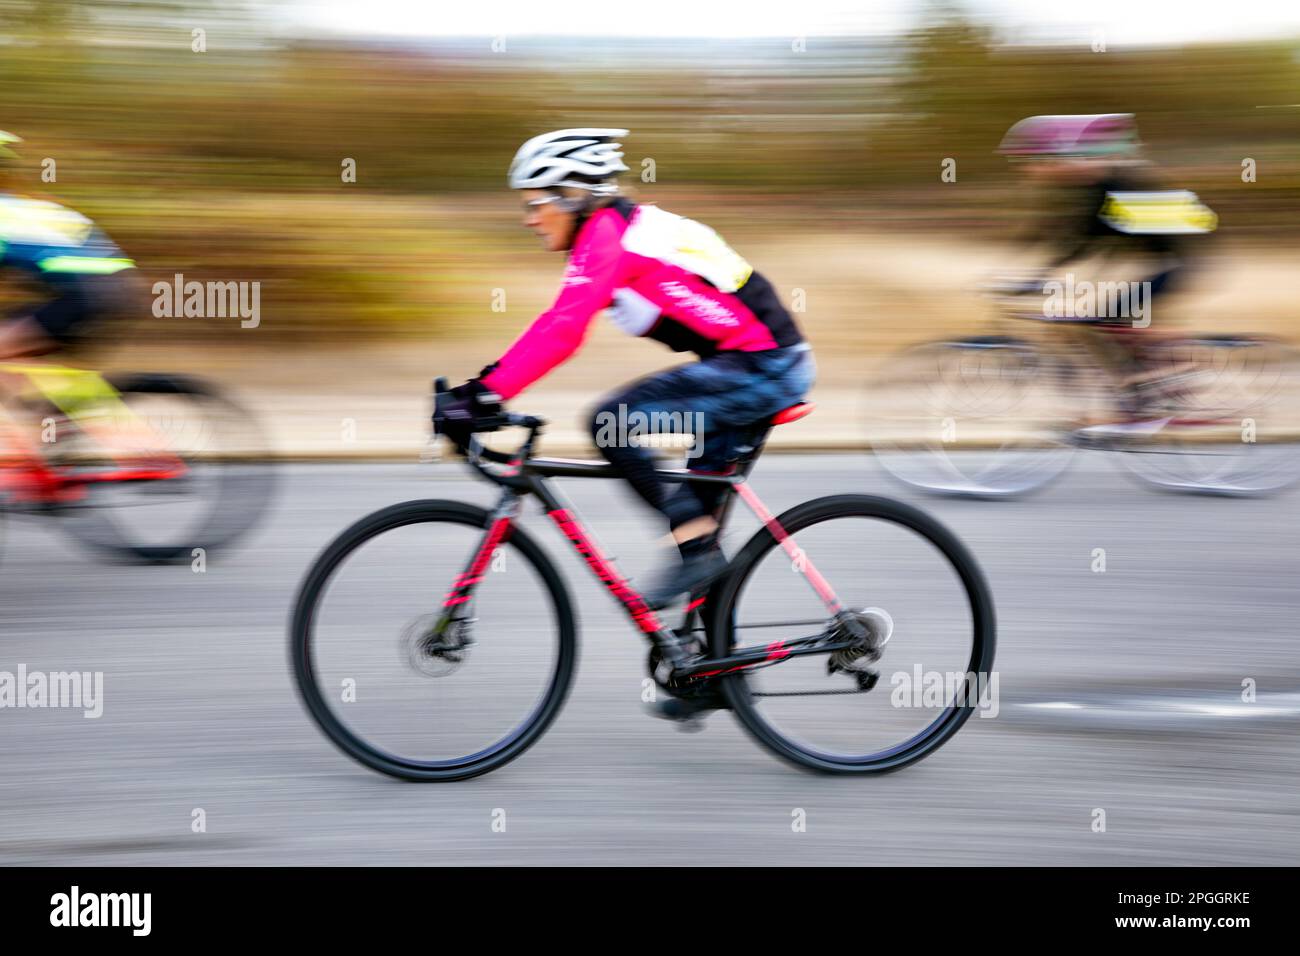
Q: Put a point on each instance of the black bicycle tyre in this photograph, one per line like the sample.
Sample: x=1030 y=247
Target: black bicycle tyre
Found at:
x=312 y=589
x=237 y=506
x=815 y=512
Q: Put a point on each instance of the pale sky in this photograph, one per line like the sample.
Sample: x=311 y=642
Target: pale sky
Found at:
x=1121 y=21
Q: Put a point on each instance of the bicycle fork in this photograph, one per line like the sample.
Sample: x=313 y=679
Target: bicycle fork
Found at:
x=456 y=603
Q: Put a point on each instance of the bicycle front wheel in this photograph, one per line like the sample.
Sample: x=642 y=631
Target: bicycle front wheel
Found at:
x=916 y=590
x=401 y=700
x=979 y=417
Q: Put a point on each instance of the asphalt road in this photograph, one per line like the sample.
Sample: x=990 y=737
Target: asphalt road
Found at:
x=1120 y=691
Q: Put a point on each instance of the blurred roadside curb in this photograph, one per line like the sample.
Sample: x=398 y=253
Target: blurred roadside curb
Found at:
x=439 y=452
x=397 y=428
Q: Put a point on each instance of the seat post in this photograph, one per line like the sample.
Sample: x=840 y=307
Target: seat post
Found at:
x=756 y=440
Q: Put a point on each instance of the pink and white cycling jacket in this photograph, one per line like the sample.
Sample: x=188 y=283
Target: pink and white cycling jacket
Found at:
x=660 y=276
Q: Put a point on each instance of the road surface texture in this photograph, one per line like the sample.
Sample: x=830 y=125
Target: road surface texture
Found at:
x=1121 y=691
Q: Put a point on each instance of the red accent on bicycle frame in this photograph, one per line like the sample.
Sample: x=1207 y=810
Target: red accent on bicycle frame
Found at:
x=32 y=480
x=696 y=603
x=777 y=651
x=802 y=562
x=458 y=593
x=605 y=570
x=128 y=474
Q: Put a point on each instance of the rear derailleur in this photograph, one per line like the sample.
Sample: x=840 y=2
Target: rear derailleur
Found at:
x=869 y=629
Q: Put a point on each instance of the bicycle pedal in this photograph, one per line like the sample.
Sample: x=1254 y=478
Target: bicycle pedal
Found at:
x=691 y=725
x=688 y=716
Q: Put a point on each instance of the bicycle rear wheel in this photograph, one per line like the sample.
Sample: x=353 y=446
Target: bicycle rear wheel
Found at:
x=360 y=643
x=887 y=562
x=1233 y=418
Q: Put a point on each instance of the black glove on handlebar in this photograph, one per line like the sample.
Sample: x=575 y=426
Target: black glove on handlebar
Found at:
x=464 y=410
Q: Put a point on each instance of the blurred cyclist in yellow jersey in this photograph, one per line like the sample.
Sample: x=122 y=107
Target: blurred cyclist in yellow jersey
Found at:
x=64 y=252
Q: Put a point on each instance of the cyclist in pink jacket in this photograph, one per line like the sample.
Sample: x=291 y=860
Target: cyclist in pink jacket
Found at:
x=663 y=277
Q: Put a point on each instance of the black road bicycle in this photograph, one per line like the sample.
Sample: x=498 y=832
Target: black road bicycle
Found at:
x=1217 y=414
x=435 y=640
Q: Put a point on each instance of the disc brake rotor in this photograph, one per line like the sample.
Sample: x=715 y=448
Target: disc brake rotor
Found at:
x=433 y=654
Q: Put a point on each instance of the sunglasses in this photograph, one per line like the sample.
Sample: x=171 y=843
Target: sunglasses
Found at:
x=544 y=200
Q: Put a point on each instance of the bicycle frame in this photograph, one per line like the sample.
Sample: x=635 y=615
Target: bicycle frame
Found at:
x=525 y=475
x=1057 y=334
x=70 y=390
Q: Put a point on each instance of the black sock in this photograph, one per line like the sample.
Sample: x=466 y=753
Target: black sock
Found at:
x=697 y=546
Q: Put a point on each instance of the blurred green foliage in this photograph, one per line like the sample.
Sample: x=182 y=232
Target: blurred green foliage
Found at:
x=226 y=163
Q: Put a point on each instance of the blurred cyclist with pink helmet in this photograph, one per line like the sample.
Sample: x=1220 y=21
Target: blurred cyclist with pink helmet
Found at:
x=1111 y=205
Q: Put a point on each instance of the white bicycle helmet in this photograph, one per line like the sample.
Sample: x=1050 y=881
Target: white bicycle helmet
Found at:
x=586 y=158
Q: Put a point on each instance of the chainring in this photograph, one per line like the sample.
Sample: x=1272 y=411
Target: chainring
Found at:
x=683 y=689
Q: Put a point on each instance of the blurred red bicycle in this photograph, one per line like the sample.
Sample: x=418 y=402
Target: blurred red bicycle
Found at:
x=145 y=466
